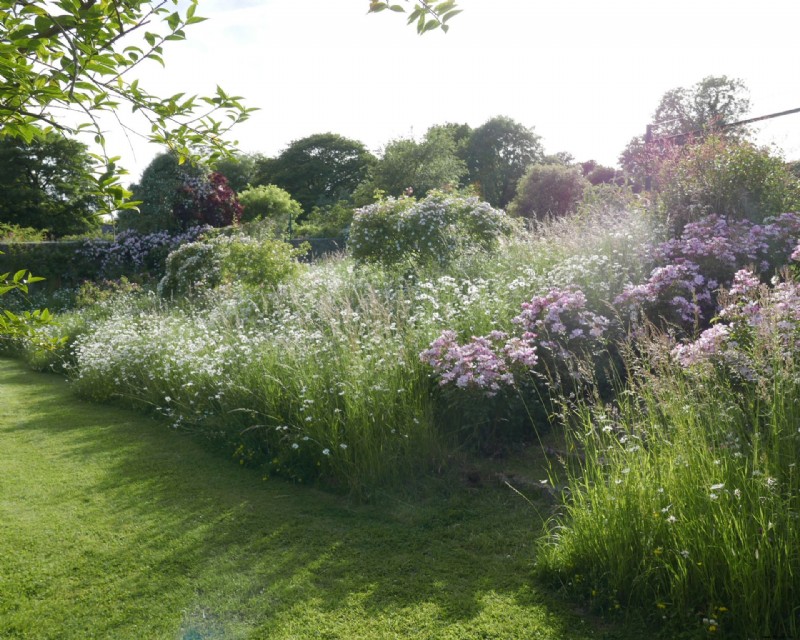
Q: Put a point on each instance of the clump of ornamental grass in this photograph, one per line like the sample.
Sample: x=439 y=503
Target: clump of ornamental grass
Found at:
x=687 y=508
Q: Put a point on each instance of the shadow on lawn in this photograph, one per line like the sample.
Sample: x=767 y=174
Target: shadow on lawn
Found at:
x=235 y=552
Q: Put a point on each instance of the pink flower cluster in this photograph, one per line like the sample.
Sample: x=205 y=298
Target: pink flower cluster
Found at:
x=710 y=343
x=680 y=286
x=561 y=315
x=718 y=242
x=691 y=268
x=557 y=322
x=483 y=363
x=753 y=313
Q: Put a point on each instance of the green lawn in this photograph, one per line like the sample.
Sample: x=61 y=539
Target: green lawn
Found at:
x=114 y=526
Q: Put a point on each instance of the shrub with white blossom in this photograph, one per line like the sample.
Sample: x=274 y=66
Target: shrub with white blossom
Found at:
x=432 y=230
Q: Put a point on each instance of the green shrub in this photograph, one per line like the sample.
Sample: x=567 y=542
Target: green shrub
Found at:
x=60 y=264
x=433 y=230
x=548 y=191
x=199 y=267
x=261 y=263
x=14 y=233
x=268 y=202
x=332 y=221
x=93 y=293
x=725 y=177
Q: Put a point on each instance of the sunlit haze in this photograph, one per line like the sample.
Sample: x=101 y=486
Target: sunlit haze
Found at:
x=585 y=75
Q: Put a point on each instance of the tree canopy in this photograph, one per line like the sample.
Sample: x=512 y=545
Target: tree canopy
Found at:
x=683 y=113
x=46 y=183
x=708 y=104
x=318 y=170
x=498 y=153
x=78 y=56
x=240 y=169
x=408 y=166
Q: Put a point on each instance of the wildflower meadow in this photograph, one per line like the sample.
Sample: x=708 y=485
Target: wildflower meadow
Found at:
x=666 y=363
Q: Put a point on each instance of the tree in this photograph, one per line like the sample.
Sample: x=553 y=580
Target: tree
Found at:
x=240 y=169
x=318 y=170
x=77 y=56
x=599 y=174
x=564 y=158
x=684 y=116
x=548 y=190
x=498 y=153
x=412 y=167
x=157 y=193
x=706 y=106
x=46 y=183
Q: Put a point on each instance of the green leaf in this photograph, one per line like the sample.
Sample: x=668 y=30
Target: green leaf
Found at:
x=450 y=14
x=173 y=20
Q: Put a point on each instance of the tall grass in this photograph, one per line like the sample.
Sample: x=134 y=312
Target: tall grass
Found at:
x=687 y=505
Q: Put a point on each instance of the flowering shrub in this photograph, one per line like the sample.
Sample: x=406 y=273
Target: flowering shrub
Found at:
x=690 y=269
x=675 y=294
x=555 y=329
x=192 y=268
x=563 y=320
x=136 y=253
x=431 y=230
x=728 y=178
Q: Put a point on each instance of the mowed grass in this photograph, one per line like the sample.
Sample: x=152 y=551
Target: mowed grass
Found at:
x=114 y=526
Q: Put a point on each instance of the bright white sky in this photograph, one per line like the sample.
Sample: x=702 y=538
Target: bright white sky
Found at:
x=585 y=75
